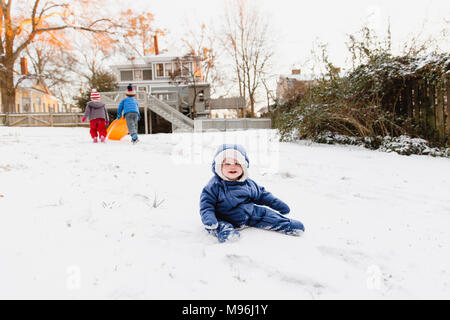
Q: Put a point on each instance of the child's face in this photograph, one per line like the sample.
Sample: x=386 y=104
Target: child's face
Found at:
x=231 y=169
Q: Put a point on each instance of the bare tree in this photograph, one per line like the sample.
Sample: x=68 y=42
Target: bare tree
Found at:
x=187 y=71
x=246 y=40
x=138 y=32
x=22 y=21
x=49 y=63
x=203 y=43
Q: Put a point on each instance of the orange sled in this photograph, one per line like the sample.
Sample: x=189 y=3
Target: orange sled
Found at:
x=117 y=129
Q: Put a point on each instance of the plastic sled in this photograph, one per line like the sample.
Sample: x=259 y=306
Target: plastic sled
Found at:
x=117 y=129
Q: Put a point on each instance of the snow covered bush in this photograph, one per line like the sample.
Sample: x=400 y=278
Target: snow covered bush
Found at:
x=369 y=102
x=403 y=145
x=406 y=145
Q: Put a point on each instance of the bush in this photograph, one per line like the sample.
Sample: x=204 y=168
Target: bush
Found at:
x=103 y=81
x=362 y=104
x=407 y=146
x=403 y=145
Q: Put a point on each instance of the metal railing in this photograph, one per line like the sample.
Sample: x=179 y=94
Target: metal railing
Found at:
x=163 y=109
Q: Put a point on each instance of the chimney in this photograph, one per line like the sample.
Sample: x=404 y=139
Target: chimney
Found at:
x=23 y=66
x=155 y=37
x=296 y=71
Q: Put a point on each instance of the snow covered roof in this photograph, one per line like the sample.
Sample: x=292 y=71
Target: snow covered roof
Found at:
x=298 y=77
x=148 y=60
x=139 y=61
x=24 y=83
x=166 y=56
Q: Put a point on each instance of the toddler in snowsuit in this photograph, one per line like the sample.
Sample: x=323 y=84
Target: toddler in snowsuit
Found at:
x=98 y=117
x=232 y=201
x=130 y=109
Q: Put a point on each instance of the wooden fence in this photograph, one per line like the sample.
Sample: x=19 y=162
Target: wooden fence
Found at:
x=427 y=104
x=42 y=119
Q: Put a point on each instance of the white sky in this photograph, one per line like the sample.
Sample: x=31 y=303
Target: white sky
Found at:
x=299 y=23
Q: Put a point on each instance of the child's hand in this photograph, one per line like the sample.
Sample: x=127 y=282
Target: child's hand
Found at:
x=212 y=227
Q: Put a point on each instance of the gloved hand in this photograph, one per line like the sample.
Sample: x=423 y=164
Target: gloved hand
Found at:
x=83 y=119
x=212 y=227
x=107 y=123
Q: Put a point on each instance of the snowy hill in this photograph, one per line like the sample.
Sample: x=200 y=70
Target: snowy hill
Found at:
x=121 y=221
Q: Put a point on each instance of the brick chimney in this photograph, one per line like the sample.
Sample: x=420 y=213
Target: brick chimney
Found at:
x=23 y=65
x=296 y=71
x=155 y=38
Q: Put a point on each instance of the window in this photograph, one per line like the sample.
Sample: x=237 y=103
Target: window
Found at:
x=167 y=69
x=39 y=103
x=26 y=104
x=147 y=74
x=187 y=68
x=142 y=89
x=160 y=70
x=126 y=75
x=177 y=69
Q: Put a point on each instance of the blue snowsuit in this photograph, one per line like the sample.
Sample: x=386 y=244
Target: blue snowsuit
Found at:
x=127 y=105
x=229 y=205
x=130 y=109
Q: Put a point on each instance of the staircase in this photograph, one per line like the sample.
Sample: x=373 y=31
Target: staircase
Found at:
x=180 y=123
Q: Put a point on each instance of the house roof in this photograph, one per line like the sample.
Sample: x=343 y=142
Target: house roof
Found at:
x=32 y=83
x=25 y=83
x=298 y=77
x=148 y=60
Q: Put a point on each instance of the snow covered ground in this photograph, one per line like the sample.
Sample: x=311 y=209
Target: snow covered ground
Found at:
x=121 y=221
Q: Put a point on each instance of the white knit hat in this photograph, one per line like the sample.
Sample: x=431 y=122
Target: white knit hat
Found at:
x=233 y=154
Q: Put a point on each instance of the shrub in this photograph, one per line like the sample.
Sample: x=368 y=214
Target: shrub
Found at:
x=362 y=104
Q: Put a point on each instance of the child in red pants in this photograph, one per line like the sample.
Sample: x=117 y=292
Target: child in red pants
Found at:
x=98 y=116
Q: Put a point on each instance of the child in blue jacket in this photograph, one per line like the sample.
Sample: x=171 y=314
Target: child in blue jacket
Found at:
x=130 y=109
x=232 y=201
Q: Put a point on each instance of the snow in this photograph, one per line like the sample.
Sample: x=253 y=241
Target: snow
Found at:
x=120 y=221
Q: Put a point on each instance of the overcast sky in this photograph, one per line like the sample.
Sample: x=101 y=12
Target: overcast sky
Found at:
x=297 y=24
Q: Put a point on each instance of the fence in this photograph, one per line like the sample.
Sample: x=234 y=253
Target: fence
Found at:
x=426 y=103
x=231 y=124
x=42 y=119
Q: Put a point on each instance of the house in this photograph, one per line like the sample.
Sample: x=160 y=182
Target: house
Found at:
x=34 y=96
x=291 y=85
x=174 y=79
x=170 y=90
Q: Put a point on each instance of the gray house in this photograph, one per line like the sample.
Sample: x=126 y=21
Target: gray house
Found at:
x=173 y=79
x=171 y=93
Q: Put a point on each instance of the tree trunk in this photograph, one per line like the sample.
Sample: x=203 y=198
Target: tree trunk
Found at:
x=8 y=91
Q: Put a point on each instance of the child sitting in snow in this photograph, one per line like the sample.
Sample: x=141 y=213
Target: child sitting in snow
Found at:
x=232 y=201
x=98 y=117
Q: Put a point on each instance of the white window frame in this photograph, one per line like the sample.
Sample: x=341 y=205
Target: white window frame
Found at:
x=138 y=75
x=157 y=76
x=166 y=74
